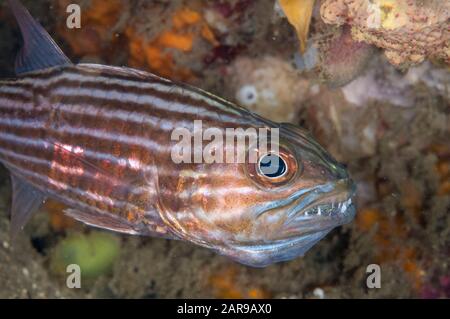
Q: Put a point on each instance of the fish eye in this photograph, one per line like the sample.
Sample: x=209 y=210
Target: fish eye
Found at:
x=274 y=169
x=272 y=166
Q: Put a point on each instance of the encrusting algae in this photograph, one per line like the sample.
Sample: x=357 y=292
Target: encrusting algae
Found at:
x=409 y=31
x=225 y=284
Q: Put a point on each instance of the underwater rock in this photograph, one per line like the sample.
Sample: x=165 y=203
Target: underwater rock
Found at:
x=341 y=58
x=370 y=87
x=347 y=131
x=23 y=273
x=268 y=86
x=408 y=30
x=95 y=253
x=383 y=83
x=308 y=60
x=331 y=52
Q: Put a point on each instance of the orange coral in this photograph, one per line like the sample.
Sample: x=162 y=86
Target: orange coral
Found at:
x=412 y=199
x=445 y=187
x=58 y=221
x=443 y=169
x=102 y=20
x=442 y=151
x=186 y=25
x=152 y=55
x=185 y=17
x=392 y=233
x=97 y=22
x=208 y=34
x=181 y=42
x=388 y=249
x=225 y=285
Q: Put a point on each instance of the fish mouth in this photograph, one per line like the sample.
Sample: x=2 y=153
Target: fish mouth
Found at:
x=310 y=216
x=323 y=207
x=327 y=205
x=319 y=217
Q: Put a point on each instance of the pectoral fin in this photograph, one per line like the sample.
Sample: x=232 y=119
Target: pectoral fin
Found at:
x=117 y=224
x=105 y=221
x=26 y=200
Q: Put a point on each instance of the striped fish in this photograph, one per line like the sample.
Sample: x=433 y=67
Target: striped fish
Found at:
x=99 y=139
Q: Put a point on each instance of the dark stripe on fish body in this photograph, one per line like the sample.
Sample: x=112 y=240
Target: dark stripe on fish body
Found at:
x=141 y=86
x=151 y=96
x=106 y=130
x=118 y=73
x=46 y=169
x=94 y=103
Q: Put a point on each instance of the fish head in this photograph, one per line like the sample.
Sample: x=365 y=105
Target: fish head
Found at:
x=313 y=194
x=269 y=210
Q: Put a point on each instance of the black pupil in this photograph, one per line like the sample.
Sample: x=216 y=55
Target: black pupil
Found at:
x=272 y=166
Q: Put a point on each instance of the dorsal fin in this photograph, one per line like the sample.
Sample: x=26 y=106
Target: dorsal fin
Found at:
x=26 y=200
x=297 y=129
x=39 y=51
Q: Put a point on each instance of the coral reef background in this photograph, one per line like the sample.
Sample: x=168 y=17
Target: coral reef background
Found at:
x=374 y=100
